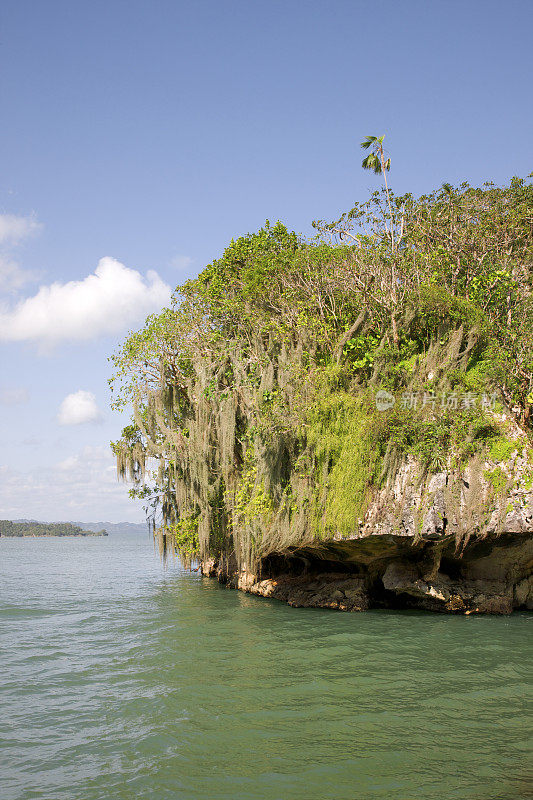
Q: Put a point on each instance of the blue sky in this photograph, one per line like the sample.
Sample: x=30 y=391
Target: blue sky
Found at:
x=152 y=133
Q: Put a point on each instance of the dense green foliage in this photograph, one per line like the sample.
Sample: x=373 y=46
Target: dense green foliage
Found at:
x=9 y=528
x=255 y=420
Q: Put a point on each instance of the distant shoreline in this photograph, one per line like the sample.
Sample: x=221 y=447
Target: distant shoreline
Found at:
x=39 y=530
x=51 y=535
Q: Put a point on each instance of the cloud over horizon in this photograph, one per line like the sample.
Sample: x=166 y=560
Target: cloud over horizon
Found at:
x=79 y=407
x=107 y=302
x=82 y=486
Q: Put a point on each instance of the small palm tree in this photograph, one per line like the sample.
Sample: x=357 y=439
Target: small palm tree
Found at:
x=376 y=159
x=377 y=162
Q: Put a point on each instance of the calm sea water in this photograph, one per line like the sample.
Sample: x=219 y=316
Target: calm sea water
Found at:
x=122 y=680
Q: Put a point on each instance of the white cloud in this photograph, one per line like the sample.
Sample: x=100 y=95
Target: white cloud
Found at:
x=13 y=229
x=77 y=408
x=181 y=262
x=12 y=276
x=107 y=302
x=13 y=395
x=84 y=486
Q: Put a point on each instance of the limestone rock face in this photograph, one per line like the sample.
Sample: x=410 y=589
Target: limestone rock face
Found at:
x=491 y=576
x=209 y=568
x=486 y=498
x=326 y=590
x=458 y=541
x=523 y=593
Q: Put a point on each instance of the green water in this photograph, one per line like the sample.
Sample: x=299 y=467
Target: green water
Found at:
x=121 y=680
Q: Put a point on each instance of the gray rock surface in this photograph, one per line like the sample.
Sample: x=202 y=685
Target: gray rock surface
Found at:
x=459 y=541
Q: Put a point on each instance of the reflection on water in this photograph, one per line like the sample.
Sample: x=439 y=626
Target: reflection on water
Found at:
x=122 y=680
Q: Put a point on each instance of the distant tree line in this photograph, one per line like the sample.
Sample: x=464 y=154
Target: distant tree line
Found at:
x=9 y=528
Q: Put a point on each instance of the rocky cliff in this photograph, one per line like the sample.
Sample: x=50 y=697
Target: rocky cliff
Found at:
x=451 y=543
x=349 y=425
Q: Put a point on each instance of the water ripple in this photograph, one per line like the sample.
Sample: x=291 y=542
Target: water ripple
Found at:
x=122 y=680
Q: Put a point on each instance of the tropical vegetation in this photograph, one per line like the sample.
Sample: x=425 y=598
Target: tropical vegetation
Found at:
x=255 y=426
